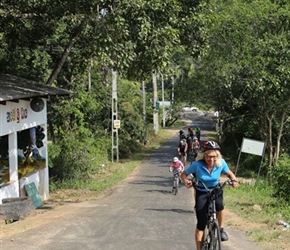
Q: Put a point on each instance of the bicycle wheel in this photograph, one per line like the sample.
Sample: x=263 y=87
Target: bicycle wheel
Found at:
x=215 y=237
x=176 y=184
x=206 y=241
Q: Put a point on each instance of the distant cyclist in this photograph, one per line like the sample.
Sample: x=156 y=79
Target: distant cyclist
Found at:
x=189 y=143
x=197 y=133
x=176 y=166
x=190 y=132
x=182 y=150
x=181 y=134
x=195 y=146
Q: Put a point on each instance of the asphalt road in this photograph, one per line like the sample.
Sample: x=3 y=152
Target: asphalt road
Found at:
x=140 y=213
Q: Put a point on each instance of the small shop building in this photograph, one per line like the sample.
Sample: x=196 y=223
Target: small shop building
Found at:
x=23 y=135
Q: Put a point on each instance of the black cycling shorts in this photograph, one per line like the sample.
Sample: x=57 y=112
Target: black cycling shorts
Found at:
x=182 y=152
x=201 y=207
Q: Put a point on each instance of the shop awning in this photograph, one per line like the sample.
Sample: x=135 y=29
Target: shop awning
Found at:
x=14 y=87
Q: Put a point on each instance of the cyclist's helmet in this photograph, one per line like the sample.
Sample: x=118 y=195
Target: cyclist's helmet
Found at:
x=194 y=138
x=210 y=145
x=175 y=159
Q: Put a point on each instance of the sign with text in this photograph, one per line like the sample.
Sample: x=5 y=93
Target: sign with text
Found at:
x=18 y=116
x=254 y=147
x=117 y=123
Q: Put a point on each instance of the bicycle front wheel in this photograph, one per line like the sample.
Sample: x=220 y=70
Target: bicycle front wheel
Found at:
x=215 y=237
x=176 y=185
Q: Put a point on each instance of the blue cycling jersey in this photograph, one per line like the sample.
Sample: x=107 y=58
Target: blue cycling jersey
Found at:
x=199 y=170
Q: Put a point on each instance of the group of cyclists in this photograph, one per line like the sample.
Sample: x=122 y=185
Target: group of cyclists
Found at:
x=207 y=166
x=189 y=143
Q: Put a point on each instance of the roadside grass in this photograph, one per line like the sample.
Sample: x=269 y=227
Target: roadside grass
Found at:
x=260 y=213
x=109 y=175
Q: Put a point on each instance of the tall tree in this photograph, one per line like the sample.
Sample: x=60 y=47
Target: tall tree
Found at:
x=247 y=62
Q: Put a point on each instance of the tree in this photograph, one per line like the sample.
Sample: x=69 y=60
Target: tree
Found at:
x=247 y=61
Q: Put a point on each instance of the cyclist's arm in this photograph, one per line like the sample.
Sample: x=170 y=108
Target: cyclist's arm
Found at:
x=184 y=179
x=182 y=166
x=232 y=176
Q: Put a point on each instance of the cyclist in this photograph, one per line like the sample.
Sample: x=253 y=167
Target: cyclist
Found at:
x=181 y=134
x=176 y=165
x=195 y=147
x=189 y=143
x=197 y=132
x=190 y=132
x=182 y=150
x=208 y=168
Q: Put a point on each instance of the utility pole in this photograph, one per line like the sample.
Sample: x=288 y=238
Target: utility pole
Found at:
x=144 y=112
x=115 y=121
x=163 y=106
x=172 y=91
x=155 y=111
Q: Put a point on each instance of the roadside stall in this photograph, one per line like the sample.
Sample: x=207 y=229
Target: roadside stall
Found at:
x=23 y=135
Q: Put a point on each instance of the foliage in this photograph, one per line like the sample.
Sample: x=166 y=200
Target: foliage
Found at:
x=246 y=69
x=77 y=156
x=280 y=178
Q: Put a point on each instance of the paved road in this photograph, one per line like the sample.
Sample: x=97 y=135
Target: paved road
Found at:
x=140 y=213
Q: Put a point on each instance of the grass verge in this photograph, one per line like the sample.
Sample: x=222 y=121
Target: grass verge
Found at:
x=110 y=175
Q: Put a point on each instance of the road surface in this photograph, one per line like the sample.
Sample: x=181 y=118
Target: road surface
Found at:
x=140 y=213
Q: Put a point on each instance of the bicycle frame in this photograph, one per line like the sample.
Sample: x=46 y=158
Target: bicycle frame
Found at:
x=212 y=237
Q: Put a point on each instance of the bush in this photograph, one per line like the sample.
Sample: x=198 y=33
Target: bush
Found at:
x=280 y=177
x=76 y=157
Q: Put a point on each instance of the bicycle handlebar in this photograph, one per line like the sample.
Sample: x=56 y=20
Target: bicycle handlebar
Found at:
x=219 y=186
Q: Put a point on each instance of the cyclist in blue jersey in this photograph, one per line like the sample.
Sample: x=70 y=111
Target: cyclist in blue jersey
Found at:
x=208 y=168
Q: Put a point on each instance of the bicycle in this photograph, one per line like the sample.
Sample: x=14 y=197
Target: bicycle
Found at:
x=195 y=152
x=212 y=237
x=175 y=182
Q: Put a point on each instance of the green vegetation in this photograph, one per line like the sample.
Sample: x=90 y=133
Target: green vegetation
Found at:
x=230 y=56
x=108 y=174
x=255 y=203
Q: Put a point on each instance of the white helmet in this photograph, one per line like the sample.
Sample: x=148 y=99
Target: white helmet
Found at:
x=175 y=159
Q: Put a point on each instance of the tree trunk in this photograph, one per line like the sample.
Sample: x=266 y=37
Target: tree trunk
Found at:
x=65 y=54
x=280 y=134
x=270 y=142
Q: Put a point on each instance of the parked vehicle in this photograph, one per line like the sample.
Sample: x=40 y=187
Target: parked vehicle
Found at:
x=188 y=109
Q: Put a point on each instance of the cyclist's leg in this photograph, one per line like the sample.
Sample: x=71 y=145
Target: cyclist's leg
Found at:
x=185 y=157
x=199 y=234
x=221 y=214
x=201 y=208
x=177 y=180
x=221 y=218
x=220 y=208
x=173 y=186
x=176 y=184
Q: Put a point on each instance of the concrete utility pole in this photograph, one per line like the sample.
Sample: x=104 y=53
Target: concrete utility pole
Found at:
x=172 y=91
x=155 y=111
x=163 y=106
x=115 y=121
x=144 y=112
